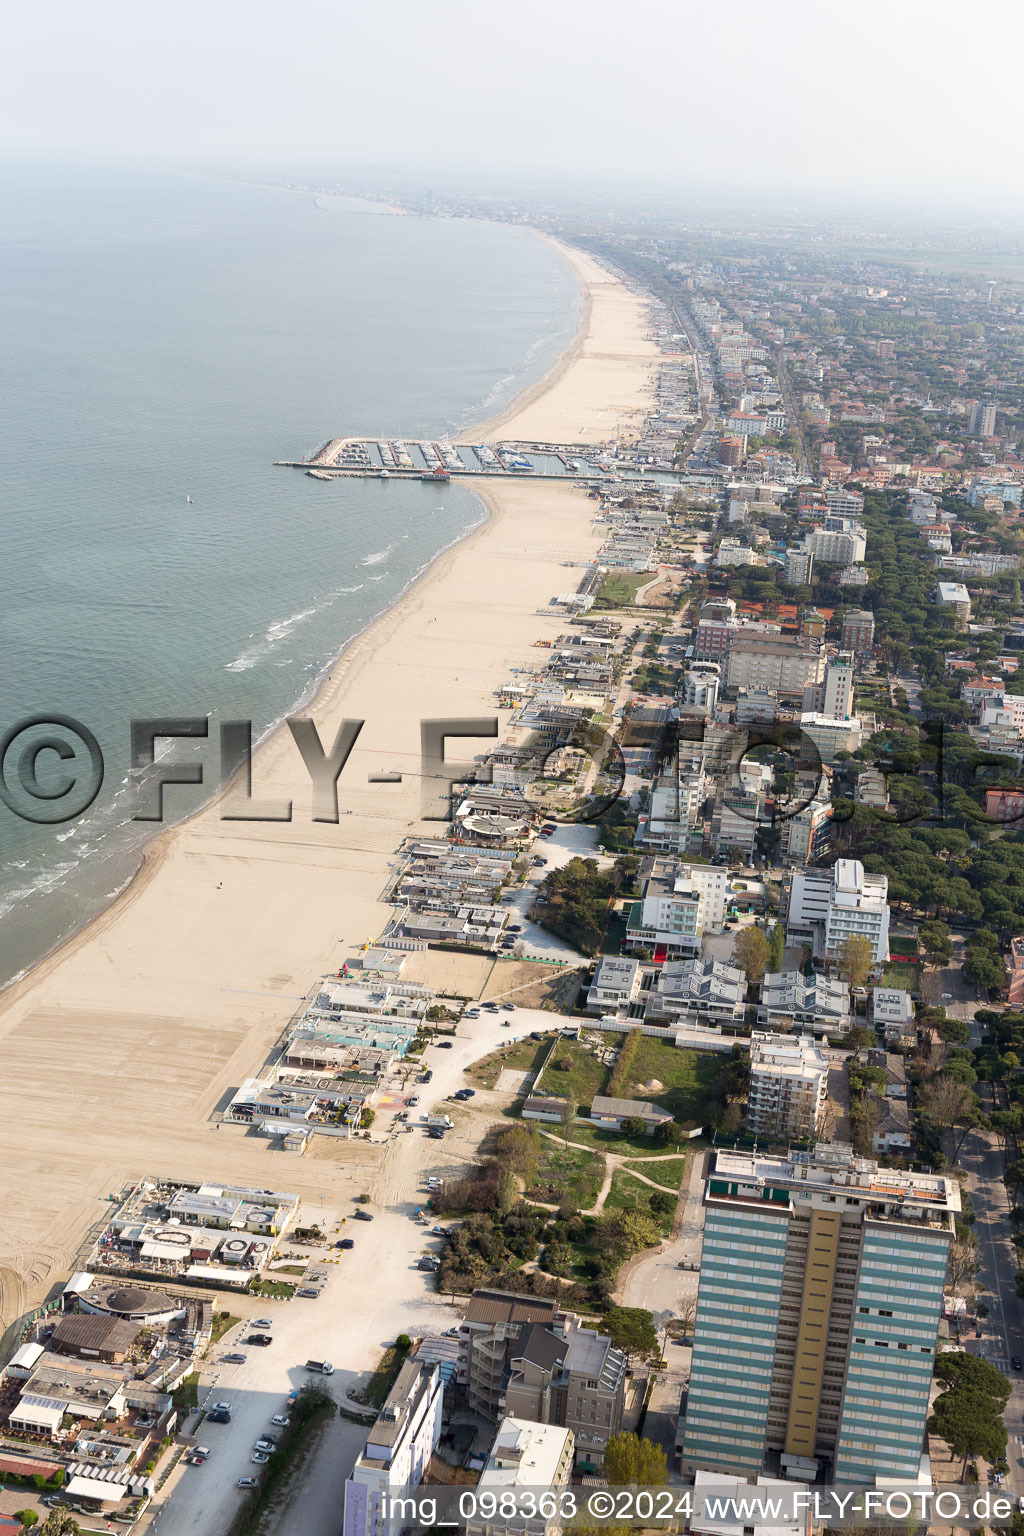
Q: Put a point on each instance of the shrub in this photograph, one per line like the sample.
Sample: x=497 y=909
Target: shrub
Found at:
x=623 y=1064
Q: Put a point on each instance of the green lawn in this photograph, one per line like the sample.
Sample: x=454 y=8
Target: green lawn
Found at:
x=611 y=1141
x=615 y=933
x=900 y=975
x=281 y=1288
x=383 y=1378
x=222 y=1322
x=567 y=1173
x=629 y=1194
x=525 y=1056
x=586 y=1075
x=687 y=1077
x=619 y=588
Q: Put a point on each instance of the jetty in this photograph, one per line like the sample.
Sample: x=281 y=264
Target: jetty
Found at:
x=439 y=462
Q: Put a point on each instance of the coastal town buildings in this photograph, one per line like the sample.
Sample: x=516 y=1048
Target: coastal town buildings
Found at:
x=679 y=904
x=525 y=1456
x=397 y=1452
x=788 y=1089
x=828 y=906
x=818 y=1310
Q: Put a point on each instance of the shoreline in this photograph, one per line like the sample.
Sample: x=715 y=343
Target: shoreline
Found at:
x=148 y=856
x=134 y=1030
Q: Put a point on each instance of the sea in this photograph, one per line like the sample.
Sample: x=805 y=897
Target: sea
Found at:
x=166 y=338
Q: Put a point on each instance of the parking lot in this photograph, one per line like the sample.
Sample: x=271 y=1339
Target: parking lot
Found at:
x=372 y=1292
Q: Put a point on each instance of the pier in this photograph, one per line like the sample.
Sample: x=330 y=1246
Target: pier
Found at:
x=440 y=462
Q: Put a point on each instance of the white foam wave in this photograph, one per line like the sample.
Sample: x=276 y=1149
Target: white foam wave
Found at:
x=282 y=629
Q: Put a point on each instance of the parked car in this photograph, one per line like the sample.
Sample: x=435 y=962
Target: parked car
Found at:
x=363 y=1215
x=282 y=1419
x=509 y=1007
x=1015 y=1363
x=218 y=1416
x=221 y=1408
x=415 y=1099
x=247 y=1482
x=261 y=1322
x=267 y=1443
x=310 y=1292
x=428 y=1263
x=444 y=1045
x=346 y=1242
x=262 y=1339
x=468 y=1093
x=259 y=1457
x=234 y=1359
x=434 y=1135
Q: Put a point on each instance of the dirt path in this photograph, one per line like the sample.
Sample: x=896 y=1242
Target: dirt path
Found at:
x=613 y=1163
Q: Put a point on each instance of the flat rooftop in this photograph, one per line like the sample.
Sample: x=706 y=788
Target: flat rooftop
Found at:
x=833 y=1167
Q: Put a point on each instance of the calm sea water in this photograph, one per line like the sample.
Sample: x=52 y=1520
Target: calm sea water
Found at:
x=167 y=337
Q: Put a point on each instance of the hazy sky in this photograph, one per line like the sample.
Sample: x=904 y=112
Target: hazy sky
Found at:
x=890 y=95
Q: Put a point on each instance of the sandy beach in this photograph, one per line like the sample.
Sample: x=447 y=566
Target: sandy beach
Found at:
x=119 y=1046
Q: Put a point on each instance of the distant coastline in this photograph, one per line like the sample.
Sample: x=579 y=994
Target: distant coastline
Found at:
x=151 y=849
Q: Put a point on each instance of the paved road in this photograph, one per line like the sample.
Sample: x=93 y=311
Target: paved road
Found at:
x=946 y=988
x=655 y=1281
x=911 y=685
x=374 y=1293
x=1003 y=1329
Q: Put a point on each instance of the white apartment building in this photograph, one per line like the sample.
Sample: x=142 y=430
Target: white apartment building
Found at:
x=397 y=1450
x=808 y=832
x=732 y=552
x=892 y=1009
x=954 y=595
x=815 y=1005
x=525 y=1457
x=831 y=736
x=615 y=986
x=700 y=687
x=833 y=697
x=845 y=503
x=827 y=906
x=680 y=903
x=798 y=567
x=788 y=1086
x=842 y=541
x=698 y=992
x=676 y=803
x=783 y=663
x=1006 y=712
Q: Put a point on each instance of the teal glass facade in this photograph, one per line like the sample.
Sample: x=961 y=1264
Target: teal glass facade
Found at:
x=734 y=1343
x=896 y=1313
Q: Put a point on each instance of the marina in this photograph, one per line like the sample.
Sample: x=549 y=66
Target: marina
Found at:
x=439 y=462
